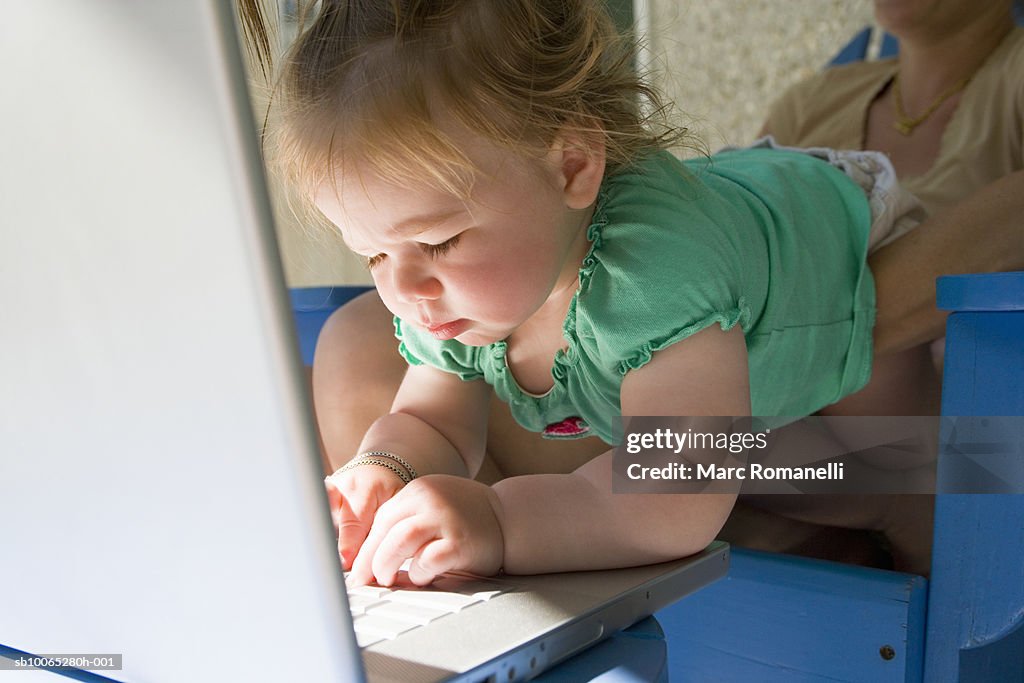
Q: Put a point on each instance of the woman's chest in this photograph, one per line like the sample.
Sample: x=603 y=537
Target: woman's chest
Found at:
x=913 y=152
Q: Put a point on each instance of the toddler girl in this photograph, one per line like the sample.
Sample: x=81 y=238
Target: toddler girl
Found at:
x=500 y=167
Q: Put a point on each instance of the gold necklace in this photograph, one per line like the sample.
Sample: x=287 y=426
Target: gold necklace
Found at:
x=906 y=124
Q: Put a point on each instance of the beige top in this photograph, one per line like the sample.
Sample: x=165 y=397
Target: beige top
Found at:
x=983 y=141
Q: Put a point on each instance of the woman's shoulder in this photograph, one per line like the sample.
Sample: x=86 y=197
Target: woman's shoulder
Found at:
x=844 y=80
x=834 y=96
x=1014 y=44
x=1006 y=64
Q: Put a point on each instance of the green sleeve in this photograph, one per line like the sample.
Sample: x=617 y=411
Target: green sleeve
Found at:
x=664 y=266
x=663 y=300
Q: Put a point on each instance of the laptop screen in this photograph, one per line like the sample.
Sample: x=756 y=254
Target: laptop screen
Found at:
x=160 y=487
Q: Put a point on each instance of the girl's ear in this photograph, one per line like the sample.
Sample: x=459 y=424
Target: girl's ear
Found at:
x=579 y=161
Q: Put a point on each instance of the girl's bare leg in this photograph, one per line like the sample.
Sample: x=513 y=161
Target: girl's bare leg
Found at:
x=902 y=384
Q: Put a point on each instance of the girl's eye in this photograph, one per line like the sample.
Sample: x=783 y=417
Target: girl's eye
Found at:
x=436 y=250
x=433 y=250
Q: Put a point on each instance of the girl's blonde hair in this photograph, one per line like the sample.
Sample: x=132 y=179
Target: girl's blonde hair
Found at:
x=378 y=83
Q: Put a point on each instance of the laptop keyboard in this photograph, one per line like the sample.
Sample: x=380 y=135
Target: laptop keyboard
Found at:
x=380 y=613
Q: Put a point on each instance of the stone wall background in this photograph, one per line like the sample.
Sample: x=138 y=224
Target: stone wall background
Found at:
x=722 y=62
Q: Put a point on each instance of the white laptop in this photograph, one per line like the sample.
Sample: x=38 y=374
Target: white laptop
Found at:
x=160 y=488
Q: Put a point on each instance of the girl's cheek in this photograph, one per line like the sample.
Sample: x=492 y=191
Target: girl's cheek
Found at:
x=385 y=296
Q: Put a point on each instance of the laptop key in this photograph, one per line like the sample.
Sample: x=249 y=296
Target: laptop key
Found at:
x=383 y=613
x=359 y=604
x=385 y=627
x=367 y=639
x=369 y=591
x=421 y=615
x=482 y=589
x=449 y=602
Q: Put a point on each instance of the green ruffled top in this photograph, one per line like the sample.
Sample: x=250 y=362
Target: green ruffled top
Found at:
x=774 y=241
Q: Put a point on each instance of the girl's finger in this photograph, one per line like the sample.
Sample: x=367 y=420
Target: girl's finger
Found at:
x=387 y=515
x=354 y=523
x=334 y=502
x=435 y=558
x=402 y=541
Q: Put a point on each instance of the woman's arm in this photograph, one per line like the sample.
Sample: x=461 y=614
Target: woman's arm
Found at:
x=984 y=233
x=574 y=521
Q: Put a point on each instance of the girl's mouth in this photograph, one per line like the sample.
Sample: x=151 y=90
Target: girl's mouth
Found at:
x=448 y=330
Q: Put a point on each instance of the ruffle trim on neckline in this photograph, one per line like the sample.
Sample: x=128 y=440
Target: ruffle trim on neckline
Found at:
x=566 y=358
x=408 y=355
x=464 y=368
x=569 y=356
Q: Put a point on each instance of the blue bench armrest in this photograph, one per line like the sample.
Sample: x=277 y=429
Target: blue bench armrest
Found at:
x=976 y=601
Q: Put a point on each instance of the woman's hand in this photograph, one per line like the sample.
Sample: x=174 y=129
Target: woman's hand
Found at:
x=354 y=497
x=444 y=523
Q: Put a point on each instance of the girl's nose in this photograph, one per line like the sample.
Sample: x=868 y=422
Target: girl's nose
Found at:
x=413 y=283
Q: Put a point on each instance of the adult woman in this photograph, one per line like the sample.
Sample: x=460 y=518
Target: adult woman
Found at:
x=949 y=112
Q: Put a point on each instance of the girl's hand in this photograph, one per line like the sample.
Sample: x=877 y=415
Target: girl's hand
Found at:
x=444 y=523
x=354 y=497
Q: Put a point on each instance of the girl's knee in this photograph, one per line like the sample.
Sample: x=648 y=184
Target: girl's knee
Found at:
x=358 y=338
x=909 y=528
x=356 y=373
x=363 y=317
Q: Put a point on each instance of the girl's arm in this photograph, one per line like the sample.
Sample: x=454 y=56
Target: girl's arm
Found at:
x=574 y=521
x=552 y=522
x=438 y=423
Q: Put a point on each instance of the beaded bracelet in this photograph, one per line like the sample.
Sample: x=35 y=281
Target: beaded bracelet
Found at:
x=379 y=462
x=391 y=456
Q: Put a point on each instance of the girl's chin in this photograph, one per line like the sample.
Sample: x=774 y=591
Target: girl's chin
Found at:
x=478 y=338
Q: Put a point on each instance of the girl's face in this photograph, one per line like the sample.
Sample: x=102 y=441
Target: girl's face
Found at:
x=473 y=270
